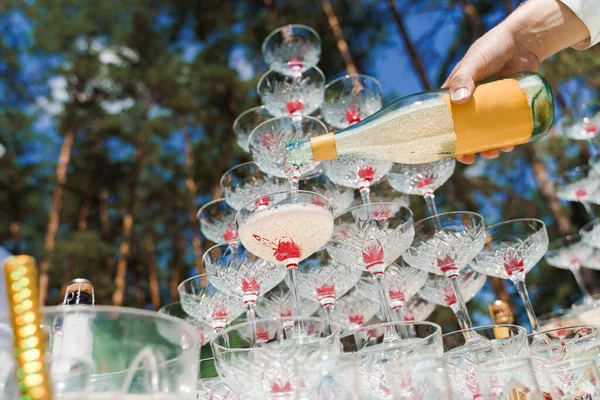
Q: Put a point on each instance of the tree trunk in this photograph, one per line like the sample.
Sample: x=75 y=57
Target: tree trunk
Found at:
x=152 y=269
x=15 y=235
x=179 y=246
x=104 y=216
x=473 y=17
x=410 y=47
x=64 y=160
x=225 y=157
x=125 y=247
x=342 y=45
x=190 y=183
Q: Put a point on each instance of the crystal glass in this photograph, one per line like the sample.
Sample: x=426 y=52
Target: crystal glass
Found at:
x=232 y=269
x=286 y=228
x=580 y=184
x=512 y=249
x=575 y=379
x=202 y=301
x=444 y=244
x=415 y=378
x=246 y=182
x=358 y=173
x=8 y=386
x=205 y=331
x=351 y=98
x=106 y=352
x=591 y=233
x=285 y=365
x=563 y=344
x=300 y=93
x=559 y=318
x=587 y=312
x=352 y=311
x=439 y=290
x=402 y=283
x=278 y=303
x=418 y=309
x=268 y=141
x=217 y=221
x=210 y=386
x=594 y=162
x=324 y=279
x=382 y=192
x=582 y=124
x=508 y=379
x=375 y=235
x=245 y=123
x=463 y=354
x=376 y=351
x=292 y=48
x=570 y=252
x=422 y=179
x=341 y=197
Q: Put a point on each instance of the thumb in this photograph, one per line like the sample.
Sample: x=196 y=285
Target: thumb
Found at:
x=461 y=85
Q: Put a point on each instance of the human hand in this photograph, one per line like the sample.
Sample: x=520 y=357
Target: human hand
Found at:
x=496 y=53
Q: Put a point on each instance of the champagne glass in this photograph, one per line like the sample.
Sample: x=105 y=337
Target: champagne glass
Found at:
x=292 y=48
x=268 y=141
x=245 y=123
x=376 y=235
x=358 y=173
x=444 y=244
x=582 y=124
x=235 y=271
x=202 y=301
x=575 y=379
x=508 y=378
x=286 y=228
x=512 y=249
x=352 y=311
x=382 y=192
x=246 y=182
x=376 y=353
x=341 y=197
x=324 y=279
x=416 y=378
x=402 y=283
x=205 y=331
x=298 y=94
x=217 y=221
x=286 y=364
x=439 y=290
x=554 y=346
x=464 y=356
x=590 y=233
x=350 y=99
x=278 y=303
x=580 y=184
x=570 y=252
x=210 y=386
x=418 y=309
x=422 y=179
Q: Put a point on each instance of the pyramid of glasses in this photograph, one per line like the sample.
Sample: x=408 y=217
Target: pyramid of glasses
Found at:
x=320 y=278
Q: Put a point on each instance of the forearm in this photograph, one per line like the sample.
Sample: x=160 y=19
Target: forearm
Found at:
x=545 y=27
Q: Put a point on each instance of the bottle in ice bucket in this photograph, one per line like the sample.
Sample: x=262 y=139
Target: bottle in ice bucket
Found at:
x=427 y=127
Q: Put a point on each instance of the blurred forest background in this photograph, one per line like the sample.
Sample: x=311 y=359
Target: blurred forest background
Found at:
x=117 y=115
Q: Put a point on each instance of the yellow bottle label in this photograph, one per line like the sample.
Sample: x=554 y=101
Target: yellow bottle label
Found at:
x=498 y=115
x=323 y=147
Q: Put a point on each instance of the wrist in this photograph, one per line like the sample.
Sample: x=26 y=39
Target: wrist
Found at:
x=545 y=27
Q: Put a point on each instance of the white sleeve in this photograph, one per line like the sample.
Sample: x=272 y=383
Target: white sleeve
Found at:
x=589 y=12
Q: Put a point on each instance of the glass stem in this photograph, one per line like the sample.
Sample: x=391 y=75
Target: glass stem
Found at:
x=576 y=271
x=365 y=194
x=460 y=308
x=251 y=317
x=386 y=310
x=588 y=209
x=522 y=290
x=329 y=309
x=399 y=314
x=293 y=277
x=430 y=204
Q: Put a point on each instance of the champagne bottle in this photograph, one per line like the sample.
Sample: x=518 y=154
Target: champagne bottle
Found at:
x=428 y=127
x=501 y=314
